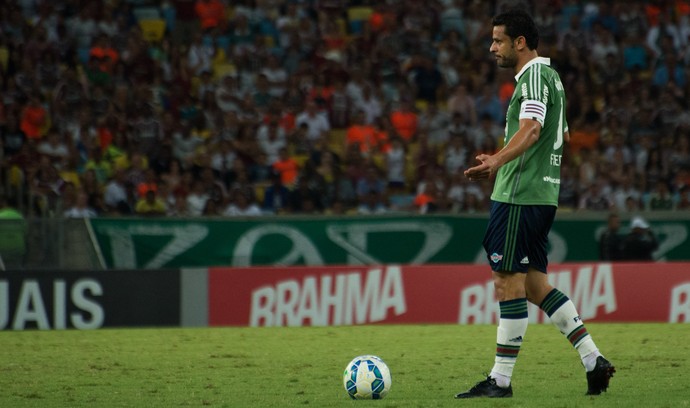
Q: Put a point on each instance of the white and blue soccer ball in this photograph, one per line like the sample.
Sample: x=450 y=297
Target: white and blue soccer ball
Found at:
x=367 y=377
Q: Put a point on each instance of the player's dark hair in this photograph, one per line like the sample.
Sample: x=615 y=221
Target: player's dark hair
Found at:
x=519 y=23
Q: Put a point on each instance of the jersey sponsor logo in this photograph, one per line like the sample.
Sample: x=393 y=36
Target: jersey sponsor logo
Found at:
x=552 y=180
x=495 y=258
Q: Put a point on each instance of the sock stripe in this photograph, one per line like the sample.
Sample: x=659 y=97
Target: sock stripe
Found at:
x=577 y=335
x=554 y=300
x=513 y=309
x=507 y=351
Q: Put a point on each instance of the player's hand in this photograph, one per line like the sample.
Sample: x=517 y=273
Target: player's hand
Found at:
x=484 y=170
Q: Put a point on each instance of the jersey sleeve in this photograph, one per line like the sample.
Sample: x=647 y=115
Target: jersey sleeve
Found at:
x=534 y=94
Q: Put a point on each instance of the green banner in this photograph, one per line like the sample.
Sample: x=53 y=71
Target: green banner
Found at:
x=172 y=243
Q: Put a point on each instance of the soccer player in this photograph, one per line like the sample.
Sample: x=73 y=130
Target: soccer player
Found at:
x=523 y=207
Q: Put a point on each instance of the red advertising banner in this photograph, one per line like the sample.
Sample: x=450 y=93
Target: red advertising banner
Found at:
x=460 y=294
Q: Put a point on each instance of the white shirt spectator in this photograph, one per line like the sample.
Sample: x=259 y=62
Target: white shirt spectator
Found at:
x=271 y=145
x=114 y=193
x=200 y=56
x=371 y=105
x=228 y=94
x=316 y=121
x=196 y=200
x=277 y=77
x=252 y=210
x=395 y=165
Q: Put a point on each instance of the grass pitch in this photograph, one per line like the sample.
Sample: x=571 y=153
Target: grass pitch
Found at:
x=301 y=367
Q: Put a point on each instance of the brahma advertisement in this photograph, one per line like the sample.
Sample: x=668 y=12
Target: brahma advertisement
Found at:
x=459 y=294
x=326 y=296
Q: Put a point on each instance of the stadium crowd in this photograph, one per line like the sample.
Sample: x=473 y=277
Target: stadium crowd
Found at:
x=243 y=108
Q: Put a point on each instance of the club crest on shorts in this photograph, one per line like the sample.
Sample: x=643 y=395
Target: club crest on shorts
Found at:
x=496 y=257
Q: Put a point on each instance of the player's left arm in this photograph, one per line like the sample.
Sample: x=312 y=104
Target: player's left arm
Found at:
x=523 y=139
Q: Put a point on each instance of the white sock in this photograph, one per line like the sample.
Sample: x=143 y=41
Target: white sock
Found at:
x=565 y=317
x=502 y=381
x=590 y=360
x=512 y=327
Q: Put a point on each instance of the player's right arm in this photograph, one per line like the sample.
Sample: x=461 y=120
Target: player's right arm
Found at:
x=526 y=136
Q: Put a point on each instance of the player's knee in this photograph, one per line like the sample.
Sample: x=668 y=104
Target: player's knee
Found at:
x=507 y=287
x=537 y=292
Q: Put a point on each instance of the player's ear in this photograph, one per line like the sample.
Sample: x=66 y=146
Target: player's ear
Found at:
x=520 y=42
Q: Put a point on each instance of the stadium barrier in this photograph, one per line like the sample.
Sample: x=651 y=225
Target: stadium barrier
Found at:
x=326 y=295
x=357 y=240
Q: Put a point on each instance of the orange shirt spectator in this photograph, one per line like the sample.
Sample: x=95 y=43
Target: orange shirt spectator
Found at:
x=106 y=55
x=505 y=91
x=363 y=135
x=145 y=187
x=404 y=121
x=381 y=19
x=34 y=119
x=286 y=167
x=586 y=136
x=148 y=184
x=211 y=13
x=287 y=121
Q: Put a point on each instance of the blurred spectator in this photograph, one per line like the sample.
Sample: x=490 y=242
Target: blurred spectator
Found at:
x=669 y=72
x=34 y=118
x=596 y=197
x=369 y=103
x=396 y=165
x=317 y=122
x=200 y=55
x=425 y=200
x=287 y=167
x=611 y=240
x=461 y=101
x=623 y=191
x=434 y=122
x=640 y=243
x=211 y=14
x=13 y=237
x=684 y=199
x=362 y=135
x=150 y=205
x=55 y=148
x=427 y=79
x=405 y=121
x=276 y=196
x=196 y=199
x=46 y=187
x=115 y=195
x=456 y=155
x=304 y=199
x=371 y=204
x=660 y=198
x=81 y=208
x=241 y=206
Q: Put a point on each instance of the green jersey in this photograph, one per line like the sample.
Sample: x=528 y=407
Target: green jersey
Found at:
x=534 y=178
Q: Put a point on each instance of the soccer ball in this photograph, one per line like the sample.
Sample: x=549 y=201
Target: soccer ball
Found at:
x=367 y=377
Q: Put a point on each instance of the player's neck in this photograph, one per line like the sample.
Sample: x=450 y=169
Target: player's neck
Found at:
x=524 y=58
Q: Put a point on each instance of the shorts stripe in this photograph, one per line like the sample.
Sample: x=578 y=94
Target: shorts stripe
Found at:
x=511 y=235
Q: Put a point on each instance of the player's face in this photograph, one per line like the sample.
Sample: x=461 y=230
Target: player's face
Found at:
x=503 y=48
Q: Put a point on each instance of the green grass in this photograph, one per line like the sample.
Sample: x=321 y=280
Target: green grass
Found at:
x=302 y=367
